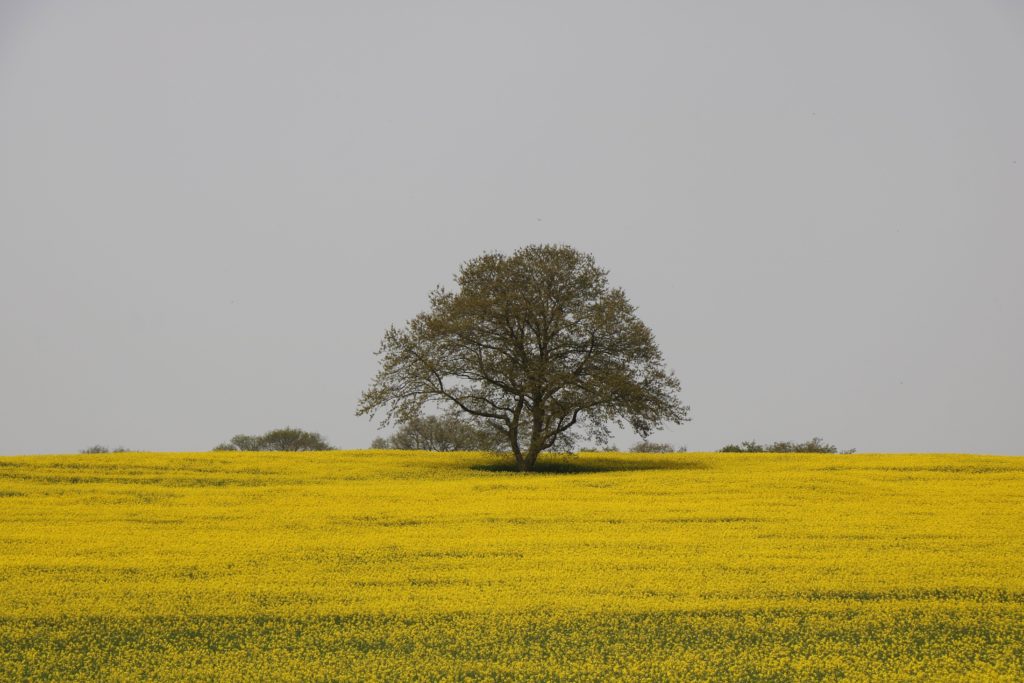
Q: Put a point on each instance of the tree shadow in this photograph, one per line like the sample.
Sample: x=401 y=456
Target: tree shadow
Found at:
x=590 y=463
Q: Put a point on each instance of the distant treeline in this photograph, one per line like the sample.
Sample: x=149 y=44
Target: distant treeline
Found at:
x=449 y=432
x=104 y=449
x=815 y=445
x=285 y=439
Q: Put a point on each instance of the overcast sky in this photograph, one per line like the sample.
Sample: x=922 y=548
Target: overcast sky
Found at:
x=210 y=211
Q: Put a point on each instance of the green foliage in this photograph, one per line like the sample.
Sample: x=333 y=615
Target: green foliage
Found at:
x=286 y=439
x=242 y=442
x=815 y=445
x=536 y=347
x=655 y=447
x=448 y=432
x=92 y=450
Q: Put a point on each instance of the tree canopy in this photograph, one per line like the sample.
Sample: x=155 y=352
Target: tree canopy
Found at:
x=536 y=346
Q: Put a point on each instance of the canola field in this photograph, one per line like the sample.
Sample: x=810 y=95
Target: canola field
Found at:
x=374 y=565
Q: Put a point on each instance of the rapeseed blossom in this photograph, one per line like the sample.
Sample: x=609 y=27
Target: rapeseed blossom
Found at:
x=376 y=565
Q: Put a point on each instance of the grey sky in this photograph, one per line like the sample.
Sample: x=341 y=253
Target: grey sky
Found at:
x=210 y=211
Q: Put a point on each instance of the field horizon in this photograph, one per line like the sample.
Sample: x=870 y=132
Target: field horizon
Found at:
x=377 y=565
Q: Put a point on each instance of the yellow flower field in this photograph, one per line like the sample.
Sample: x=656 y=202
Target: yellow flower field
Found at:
x=374 y=565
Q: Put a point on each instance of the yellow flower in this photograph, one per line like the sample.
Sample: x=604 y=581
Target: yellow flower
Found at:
x=425 y=566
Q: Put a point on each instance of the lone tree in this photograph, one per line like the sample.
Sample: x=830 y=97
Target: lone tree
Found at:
x=530 y=346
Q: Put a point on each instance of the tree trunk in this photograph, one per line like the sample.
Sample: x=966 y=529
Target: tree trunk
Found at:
x=536 y=436
x=525 y=462
x=531 y=459
x=520 y=460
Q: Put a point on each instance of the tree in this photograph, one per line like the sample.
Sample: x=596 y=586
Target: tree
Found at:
x=286 y=439
x=535 y=346
x=448 y=432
